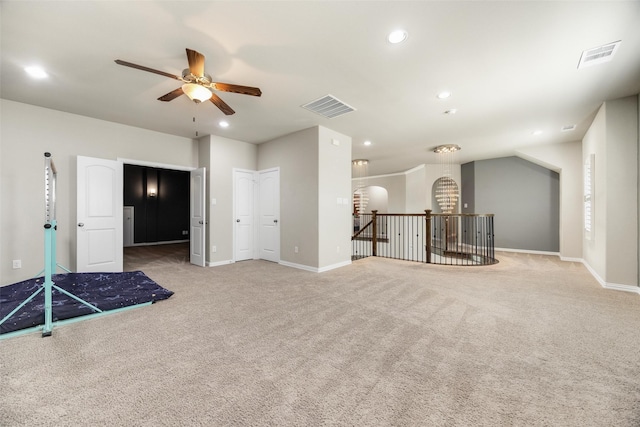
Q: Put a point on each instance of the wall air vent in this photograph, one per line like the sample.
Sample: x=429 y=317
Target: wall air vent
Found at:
x=598 y=55
x=328 y=106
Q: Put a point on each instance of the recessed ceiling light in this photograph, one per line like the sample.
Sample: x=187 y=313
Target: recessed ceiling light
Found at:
x=451 y=111
x=223 y=124
x=567 y=128
x=444 y=95
x=367 y=143
x=536 y=132
x=36 y=72
x=397 y=36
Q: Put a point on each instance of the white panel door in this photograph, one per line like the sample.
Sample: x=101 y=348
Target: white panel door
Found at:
x=269 y=205
x=244 y=186
x=197 y=231
x=99 y=215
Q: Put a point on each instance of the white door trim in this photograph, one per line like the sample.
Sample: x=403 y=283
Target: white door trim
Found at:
x=155 y=164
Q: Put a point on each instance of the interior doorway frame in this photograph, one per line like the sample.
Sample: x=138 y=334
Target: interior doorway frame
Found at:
x=150 y=164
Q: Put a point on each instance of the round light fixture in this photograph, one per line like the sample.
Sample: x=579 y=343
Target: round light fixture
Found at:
x=36 y=72
x=223 y=124
x=196 y=93
x=444 y=95
x=451 y=111
x=367 y=143
x=536 y=132
x=397 y=36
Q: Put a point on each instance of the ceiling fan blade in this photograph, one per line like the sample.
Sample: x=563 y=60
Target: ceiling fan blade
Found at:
x=221 y=104
x=143 y=68
x=171 y=95
x=196 y=62
x=245 y=90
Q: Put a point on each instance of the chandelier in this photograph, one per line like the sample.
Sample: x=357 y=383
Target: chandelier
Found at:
x=447 y=192
x=359 y=172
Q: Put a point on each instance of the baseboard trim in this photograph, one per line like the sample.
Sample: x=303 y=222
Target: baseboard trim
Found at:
x=299 y=266
x=624 y=288
x=219 y=263
x=315 y=269
x=611 y=286
x=526 y=251
x=334 y=266
x=570 y=259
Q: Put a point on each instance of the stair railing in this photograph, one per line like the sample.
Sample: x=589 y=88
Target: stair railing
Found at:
x=452 y=239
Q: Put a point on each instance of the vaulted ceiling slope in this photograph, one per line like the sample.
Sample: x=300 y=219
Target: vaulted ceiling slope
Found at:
x=511 y=68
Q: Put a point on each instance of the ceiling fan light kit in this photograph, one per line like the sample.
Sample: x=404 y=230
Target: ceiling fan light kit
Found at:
x=196 y=93
x=198 y=86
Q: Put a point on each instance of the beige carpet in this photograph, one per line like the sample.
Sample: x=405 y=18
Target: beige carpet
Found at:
x=531 y=341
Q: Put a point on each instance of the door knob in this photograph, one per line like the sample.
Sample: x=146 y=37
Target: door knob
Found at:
x=275 y=221
x=199 y=222
x=237 y=220
x=80 y=224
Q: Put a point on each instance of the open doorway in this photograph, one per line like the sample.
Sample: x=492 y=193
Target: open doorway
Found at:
x=100 y=213
x=156 y=216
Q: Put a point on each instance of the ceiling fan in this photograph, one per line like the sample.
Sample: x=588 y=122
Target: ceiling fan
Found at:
x=197 y=85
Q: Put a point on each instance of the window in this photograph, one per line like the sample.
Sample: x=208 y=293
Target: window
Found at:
x=588 y=196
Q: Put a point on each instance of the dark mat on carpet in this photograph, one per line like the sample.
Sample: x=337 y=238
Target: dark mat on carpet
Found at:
x=107 y=291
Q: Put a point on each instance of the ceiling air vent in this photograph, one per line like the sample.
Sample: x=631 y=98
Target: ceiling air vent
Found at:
x=598 y=55
x=328 y=106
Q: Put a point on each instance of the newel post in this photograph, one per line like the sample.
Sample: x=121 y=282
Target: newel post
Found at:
x=427 y=215
x=374 y=239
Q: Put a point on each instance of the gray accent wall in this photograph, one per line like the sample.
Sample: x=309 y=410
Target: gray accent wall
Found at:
x=468 y=190
x=523 y=196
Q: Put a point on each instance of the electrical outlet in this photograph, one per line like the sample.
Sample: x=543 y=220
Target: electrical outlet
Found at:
x=295 y=249
x=214 y=249
x=17 y=264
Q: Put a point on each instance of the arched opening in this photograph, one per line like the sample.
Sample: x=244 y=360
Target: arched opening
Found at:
x=368 y=199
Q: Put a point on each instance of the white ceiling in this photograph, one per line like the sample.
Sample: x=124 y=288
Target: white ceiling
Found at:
x=510 y=66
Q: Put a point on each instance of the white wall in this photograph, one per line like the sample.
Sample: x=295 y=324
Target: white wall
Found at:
x=378 y=199
x=296 y=155
x=416 y=191
x=222 y=156
x=395 y=184
x=411 y=191
x=314 y=174
x=622 y=179
x=334 y=183
x=612 y=253
x=27 y=132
